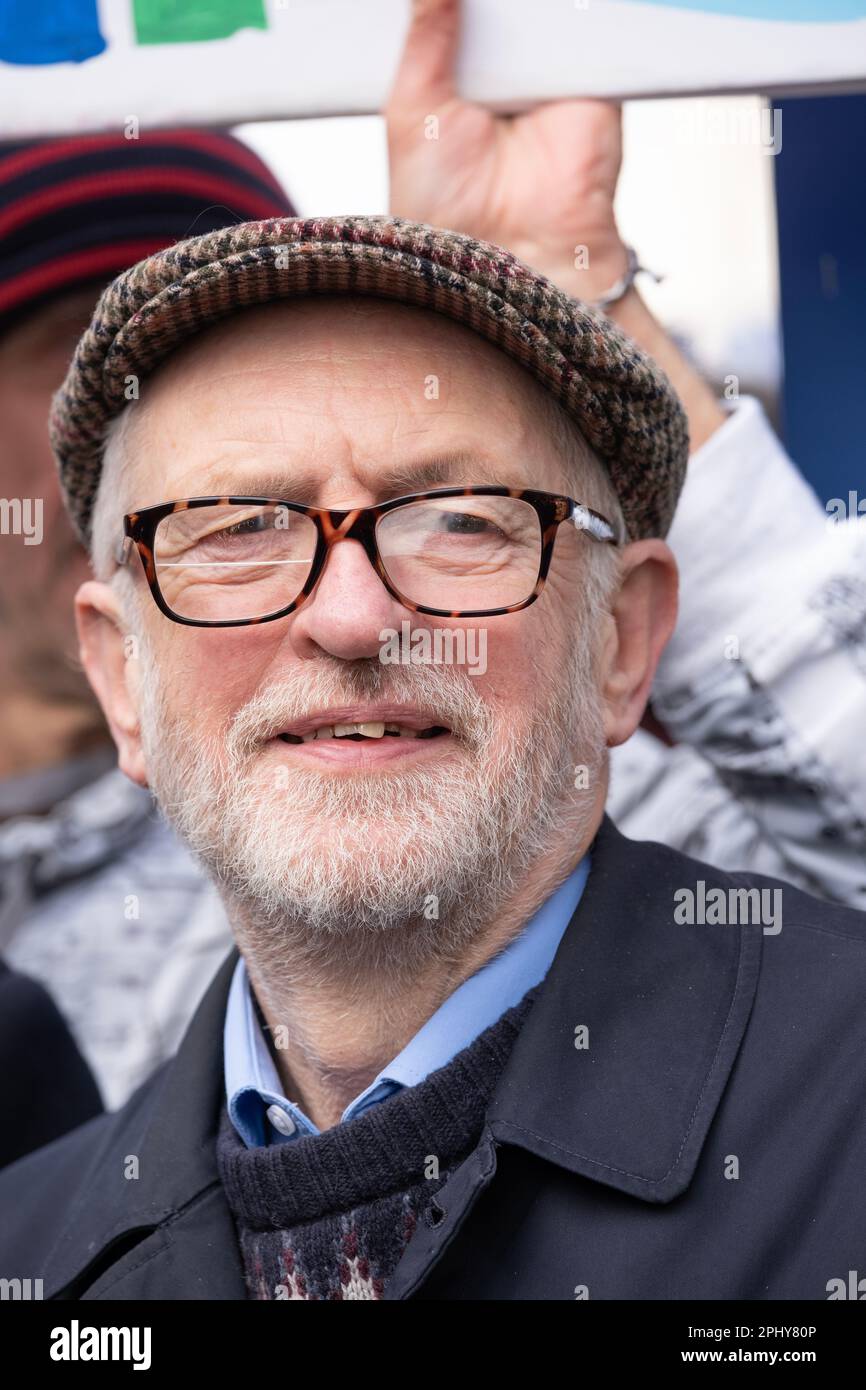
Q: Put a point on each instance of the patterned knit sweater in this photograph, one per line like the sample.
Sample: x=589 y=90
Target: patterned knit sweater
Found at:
x=328 y=1216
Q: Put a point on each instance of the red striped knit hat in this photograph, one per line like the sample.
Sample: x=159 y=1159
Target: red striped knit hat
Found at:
x=81 y=209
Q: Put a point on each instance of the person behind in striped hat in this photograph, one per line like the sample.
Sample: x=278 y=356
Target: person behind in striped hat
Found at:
x=93 y=889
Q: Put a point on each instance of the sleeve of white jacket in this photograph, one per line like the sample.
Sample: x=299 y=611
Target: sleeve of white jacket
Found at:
x=765 y=676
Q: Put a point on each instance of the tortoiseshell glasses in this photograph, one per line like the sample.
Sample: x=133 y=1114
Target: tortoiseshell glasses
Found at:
x=456 y=552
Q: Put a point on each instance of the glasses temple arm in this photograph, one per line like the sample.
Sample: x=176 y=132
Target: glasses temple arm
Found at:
x=594 y=524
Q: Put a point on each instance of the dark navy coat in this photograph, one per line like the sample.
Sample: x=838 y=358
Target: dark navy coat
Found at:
x=708 y=1141
x=46 y=1087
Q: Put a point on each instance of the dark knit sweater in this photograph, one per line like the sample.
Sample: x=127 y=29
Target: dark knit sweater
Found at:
x=328 y=1216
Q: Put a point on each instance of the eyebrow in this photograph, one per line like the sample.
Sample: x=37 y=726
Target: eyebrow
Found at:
x=459 y=467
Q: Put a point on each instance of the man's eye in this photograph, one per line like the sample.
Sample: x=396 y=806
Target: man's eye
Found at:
x=248 y=526
x=465 y=522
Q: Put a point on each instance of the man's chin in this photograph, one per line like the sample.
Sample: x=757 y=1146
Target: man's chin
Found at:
x=347 y=886
x=383 y=864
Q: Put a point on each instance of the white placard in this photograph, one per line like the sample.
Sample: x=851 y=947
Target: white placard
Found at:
x=329 y=57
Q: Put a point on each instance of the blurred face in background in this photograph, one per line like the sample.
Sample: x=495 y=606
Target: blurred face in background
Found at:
x=43 y=567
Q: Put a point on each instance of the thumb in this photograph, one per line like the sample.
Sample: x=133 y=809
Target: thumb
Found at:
x=425 y=74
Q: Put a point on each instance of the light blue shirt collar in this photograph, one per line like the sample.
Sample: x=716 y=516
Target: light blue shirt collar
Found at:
x=262 y=1114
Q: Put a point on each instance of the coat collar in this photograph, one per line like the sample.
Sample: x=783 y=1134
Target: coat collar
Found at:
x=170 y=1127
x=665 y=1007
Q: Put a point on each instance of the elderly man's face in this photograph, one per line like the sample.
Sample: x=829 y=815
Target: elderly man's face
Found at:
x=339 y=404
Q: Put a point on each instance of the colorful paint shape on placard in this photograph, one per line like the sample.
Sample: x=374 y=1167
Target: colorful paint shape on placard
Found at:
x=192 y=21
x=787 y=11
x=60 y=31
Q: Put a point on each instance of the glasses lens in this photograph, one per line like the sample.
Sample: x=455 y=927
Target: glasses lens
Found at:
x=231 y=562
x=462 y=553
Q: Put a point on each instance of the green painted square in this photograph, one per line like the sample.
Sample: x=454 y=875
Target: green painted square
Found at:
x=192 y=21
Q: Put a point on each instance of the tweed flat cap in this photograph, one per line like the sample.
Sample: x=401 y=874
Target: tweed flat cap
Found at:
x=622 y=403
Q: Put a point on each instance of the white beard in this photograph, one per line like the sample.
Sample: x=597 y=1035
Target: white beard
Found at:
x=396 y=865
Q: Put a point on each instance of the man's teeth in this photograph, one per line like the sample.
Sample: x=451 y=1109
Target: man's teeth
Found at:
x=372 y=729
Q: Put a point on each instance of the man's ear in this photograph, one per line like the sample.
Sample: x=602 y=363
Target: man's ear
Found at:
x=642 y=618
x=109 y=655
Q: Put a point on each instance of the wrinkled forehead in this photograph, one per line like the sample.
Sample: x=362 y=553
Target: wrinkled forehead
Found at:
x=309 y=393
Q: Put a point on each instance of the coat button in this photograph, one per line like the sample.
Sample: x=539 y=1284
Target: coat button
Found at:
x=282 y=1123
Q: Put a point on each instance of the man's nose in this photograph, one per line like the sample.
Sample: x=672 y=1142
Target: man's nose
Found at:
x=348 y=609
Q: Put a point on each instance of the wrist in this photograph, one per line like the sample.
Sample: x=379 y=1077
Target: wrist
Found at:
x=586 y=269
x=593 y=271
